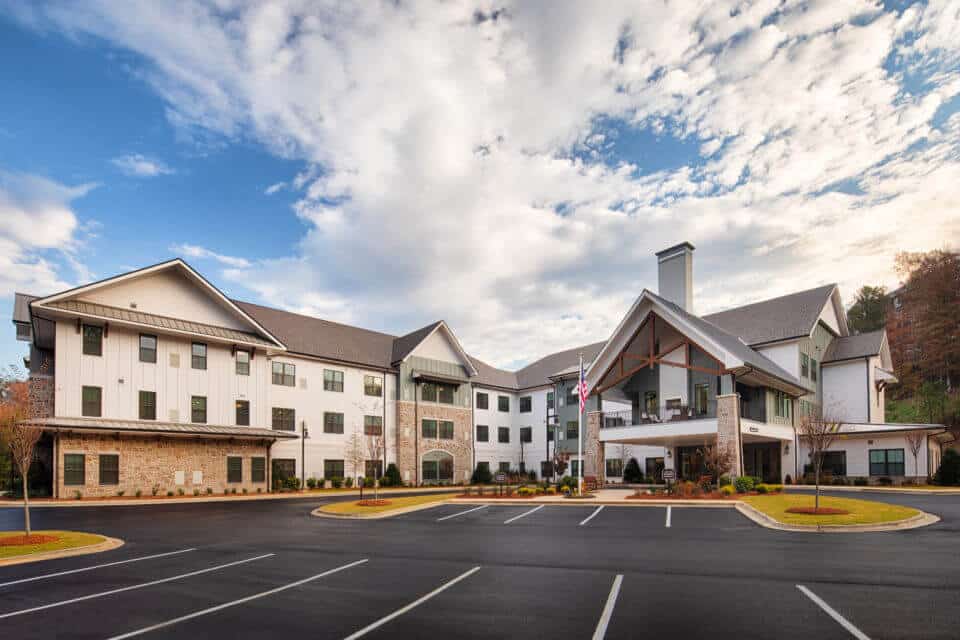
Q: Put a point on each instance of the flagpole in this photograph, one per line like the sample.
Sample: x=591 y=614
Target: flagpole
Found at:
x=580 y=430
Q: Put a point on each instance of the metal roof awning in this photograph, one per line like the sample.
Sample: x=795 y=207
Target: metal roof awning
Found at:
x=149 y=427
x=428 y=376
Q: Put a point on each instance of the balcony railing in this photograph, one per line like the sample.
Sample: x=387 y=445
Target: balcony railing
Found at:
x=666 y=413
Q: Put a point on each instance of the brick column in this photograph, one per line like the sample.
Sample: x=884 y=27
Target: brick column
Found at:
x=593 y=450
x=728 y=428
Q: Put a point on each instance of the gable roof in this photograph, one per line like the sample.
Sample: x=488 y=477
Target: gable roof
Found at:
x=539 y=372
x=311 y=336
x=404 y=345
x=783 y=318
x=862 y=345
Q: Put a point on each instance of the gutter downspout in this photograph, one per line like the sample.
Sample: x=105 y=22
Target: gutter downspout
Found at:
x=869 y=390
x=473 y=432
x=416 y=433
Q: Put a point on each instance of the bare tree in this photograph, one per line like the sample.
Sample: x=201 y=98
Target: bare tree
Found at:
x=20 y=438
x=354 y=452
x=718 y=459
x=376 y=447
x=916 y=440
x=819 y=430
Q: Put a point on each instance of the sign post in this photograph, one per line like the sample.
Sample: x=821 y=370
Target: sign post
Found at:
x=501 y=477
x=669 y=475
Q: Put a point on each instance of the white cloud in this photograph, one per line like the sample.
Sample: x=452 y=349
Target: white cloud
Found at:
x=39 y=229
x=141 y=166
x=194 y=251
x=437 y=140
x=272 y=189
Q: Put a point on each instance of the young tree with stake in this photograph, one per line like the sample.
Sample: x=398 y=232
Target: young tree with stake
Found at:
x=819 y=431
x=915 y=440
x=375 y=449
x=20 y=438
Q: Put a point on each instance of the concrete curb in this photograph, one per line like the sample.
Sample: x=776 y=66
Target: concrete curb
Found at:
x=710 y=504
x=922 y=519
x=377 y=516
x=898 y=490
x=150 y=502
x=108 y=544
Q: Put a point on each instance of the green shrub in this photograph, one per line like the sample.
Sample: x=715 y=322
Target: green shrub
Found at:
x=761 y=488
x=120 y=493
x=76 y=494
x=885 y=481
x=169 y=493
x=336 y=482
x=744 y=484
x=391 y=478
x=259 y=489
x=725 y=481
x=244 y=491
x=632 y=472
x=369 y=481
x=155 y=490
x=196 y=492
x=348 y=482
x=727 y=490
x=209 y=490
x=311 y=483
x=138 y=493
x=180 y=491
x=949 y=472
x=482 y=475
x=787 y=479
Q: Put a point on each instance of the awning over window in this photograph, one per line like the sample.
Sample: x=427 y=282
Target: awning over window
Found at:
x=142 y=427
x=426 y=376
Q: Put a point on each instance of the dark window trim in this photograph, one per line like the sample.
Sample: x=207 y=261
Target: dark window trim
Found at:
x=335 y=426
x=242 y=368
x=486 y=433
x=500 y=435
x=258 y=469
x=234 y=473
x=486 y=400
x=69 y=479
x=236 y=417
x=526 y=401
x=196 y=360
x=83 y=402
x=334 y=382
x=156 y=345
x=83 y=339
x=109 y=479
x=141 y=413
x=194 y=411
x=283 y=419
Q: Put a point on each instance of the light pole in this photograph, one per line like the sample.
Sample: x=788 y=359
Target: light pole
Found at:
x=305 y=433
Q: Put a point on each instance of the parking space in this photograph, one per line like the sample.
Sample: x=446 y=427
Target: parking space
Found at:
x=485 y=571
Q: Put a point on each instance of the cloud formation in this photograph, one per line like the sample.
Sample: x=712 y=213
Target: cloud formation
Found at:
x=141 y=166
x=194 y=251
x=472 y=161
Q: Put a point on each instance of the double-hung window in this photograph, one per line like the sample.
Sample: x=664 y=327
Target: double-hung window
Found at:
x=573 y=429
x=258 y=469
x=284 y=374
x=373 y=425
x=92 y=402
x=614 y=468
x=243 y=363
x=243 y=413
x=445 y=393
x=332 y=422
x=109 y=468
x=483 y=401
x=148 y=405
x=483 y=433
x=701 y=395
x=332 y=380
x=198 y=355
x=526 y=434
x=503 y=403
x=573 y=399
x=372 y=386
x=886 y=462
x=550 y=400
x=332 y=469
x=804 y=365
x=284 y=419
x=428 y=428
x=526 y=404
x=234 y=469
x=503 y=434
x=198 y=409
x=92 y=340
x=74 y=469
x=148 y=348
x=445 y=428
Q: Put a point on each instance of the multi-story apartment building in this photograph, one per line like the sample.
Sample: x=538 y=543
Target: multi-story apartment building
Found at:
x=155 y=378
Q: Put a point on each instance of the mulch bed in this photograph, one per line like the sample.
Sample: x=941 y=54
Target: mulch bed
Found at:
x=20 y=541
x=372 y=503
x=822 y=511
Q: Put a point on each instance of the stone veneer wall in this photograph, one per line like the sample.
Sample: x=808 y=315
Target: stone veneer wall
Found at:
x=728 y=428
x=461 y=447
x=41 y=393
x=147 y=461
x=593 y=449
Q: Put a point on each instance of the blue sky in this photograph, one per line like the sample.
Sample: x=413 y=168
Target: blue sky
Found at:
x=389 y=165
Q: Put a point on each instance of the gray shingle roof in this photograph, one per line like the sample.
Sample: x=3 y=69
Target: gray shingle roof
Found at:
x=160 y=322
x=403 y=345
x=782 y=318
x=850 y=347
x=150 y=426
x=311 y=336
x=491 y=376
x=538 y=373
x=21 y=306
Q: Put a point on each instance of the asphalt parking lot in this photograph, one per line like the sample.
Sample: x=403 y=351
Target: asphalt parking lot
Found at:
x=250 y=569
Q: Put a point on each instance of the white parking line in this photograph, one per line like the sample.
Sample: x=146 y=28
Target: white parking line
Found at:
x=97 y=566
x=608 y=608
x=590 y=517
x=233 y=603
x=668 y=516
x=846 y=624
x=399 y=612
x=525 y=513
x=130 y=588
x=463 y=513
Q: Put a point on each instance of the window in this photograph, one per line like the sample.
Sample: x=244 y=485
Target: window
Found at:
x=546 y=469
x=332 y=422
x=551 y=402
x=615 y=468
x=373 y=468
x=445 y=393
x=886 y=462
x=526 y=434
x=572 y=399
x=483 y=467
x=243 y=413
x=198 y=356
x=650 y=403
x=373 y=425
x=332 y=380
x=372 y=386
x=91 y=402
x=285 y=419
x=483 y=433
x=74 y=473
x=446 y=430
x=148 y=405
x=332 y=469
x=701 y=395
x=243 y=363
x=573 y=430
x=503 y=403
x=503 y=434
x=109 y=468
x=575 y=468
x=258 y=469
x=428 y=428
x=526 y=404
x=804 y=365
x=281 y=469
x=428 y=392
x=92 y=340
x=198 y=409
x=834 y=462
x=148 y=348
x=285 y=374
x=782 y=404
x=813 y=369
x=504 y=467
x=483 y=401
x=234 y=469
x=550 y=429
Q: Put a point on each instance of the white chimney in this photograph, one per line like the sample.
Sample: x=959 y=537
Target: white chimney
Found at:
x=675 y=275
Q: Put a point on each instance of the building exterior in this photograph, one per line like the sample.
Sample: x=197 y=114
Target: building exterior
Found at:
x=154 y=380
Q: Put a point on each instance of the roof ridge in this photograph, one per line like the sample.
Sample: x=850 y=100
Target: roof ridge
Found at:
x=315 y=318
x=831 y=286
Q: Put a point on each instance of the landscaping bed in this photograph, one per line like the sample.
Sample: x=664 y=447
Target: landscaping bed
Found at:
x=360 y=508
x=14 y=543
x=857 y=512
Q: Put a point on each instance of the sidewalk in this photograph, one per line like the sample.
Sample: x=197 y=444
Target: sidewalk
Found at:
x=945 y=491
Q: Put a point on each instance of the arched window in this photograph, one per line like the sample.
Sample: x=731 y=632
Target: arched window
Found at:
x=437 y=467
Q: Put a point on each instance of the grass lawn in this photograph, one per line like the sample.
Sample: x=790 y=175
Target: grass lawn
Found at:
x=861 y=511
x=65 y=540
x=351 y=508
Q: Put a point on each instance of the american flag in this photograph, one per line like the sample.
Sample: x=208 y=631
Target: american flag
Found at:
x=582 y=387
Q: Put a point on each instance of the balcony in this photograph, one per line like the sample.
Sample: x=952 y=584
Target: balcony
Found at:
x=666 y=413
